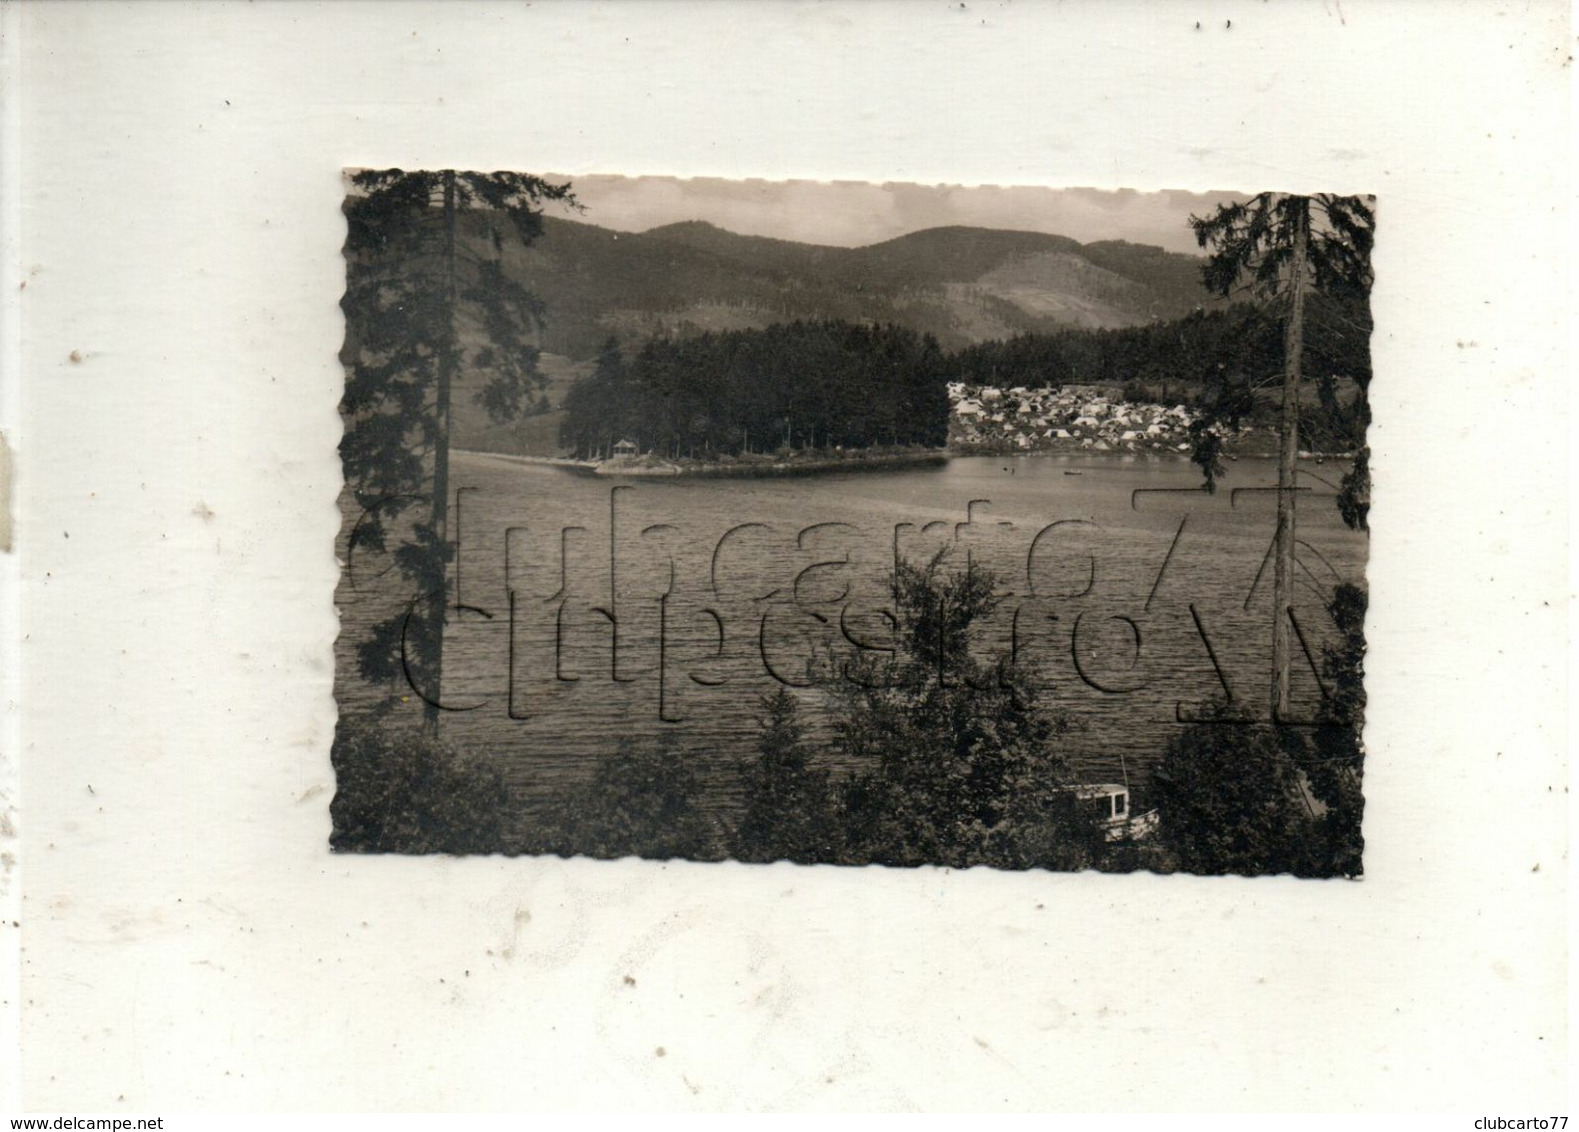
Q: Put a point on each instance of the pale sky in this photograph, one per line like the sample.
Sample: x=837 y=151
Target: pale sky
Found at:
x=851 y=214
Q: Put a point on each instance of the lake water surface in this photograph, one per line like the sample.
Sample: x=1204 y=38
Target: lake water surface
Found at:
x=710 y=593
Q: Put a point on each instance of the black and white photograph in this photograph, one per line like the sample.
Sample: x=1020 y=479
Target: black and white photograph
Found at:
x=854 y=524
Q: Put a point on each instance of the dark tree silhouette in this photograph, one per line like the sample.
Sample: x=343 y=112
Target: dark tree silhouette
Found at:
x=1335 y=762
x=790 y=386
x=958 y=765
x=425 y=301
x=1279 y=246
x=789 y=805
x=1232 y=794
x=1228 y=798
x=642 y=801
x=597 y=408
x=408 y=792
x=1307 y=261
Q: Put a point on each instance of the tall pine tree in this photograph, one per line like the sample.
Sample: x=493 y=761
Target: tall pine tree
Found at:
x=426 y=301
x=1280 y=246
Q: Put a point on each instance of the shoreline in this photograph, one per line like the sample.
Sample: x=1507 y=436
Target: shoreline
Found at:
x=1230 y=453
x=532 y=461
x=884 y=463
x=653 y=468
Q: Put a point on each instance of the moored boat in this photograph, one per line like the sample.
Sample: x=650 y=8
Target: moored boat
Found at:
x=1119 y=821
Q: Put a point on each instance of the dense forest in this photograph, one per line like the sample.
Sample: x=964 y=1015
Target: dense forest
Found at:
x=1243 y=343
x=833 y=383
x=796 y=385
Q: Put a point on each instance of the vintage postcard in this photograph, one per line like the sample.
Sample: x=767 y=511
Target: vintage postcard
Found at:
x=853 y=524
x=504 y=621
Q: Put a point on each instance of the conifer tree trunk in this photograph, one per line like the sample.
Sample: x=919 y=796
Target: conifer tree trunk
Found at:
x=441 y=449
x=1287 y=469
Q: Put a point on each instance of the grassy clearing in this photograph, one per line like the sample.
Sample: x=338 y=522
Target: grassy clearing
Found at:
x=535 y=435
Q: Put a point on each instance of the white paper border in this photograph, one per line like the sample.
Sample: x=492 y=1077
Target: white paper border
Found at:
x=188 y=942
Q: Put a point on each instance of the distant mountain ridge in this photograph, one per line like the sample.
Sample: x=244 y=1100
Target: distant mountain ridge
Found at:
x=962 y=284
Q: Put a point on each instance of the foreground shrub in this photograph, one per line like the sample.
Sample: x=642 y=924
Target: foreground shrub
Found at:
x=789 y=806
x=1229 y=798
x=410 y=792
x=642 y=801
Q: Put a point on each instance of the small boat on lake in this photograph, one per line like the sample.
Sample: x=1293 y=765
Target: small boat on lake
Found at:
x=1111 y=801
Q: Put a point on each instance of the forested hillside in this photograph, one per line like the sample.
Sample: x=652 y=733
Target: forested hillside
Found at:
x=691 y=339
x=963 y=285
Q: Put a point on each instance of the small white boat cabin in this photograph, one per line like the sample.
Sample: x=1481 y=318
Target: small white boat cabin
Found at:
x=1111 y=800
